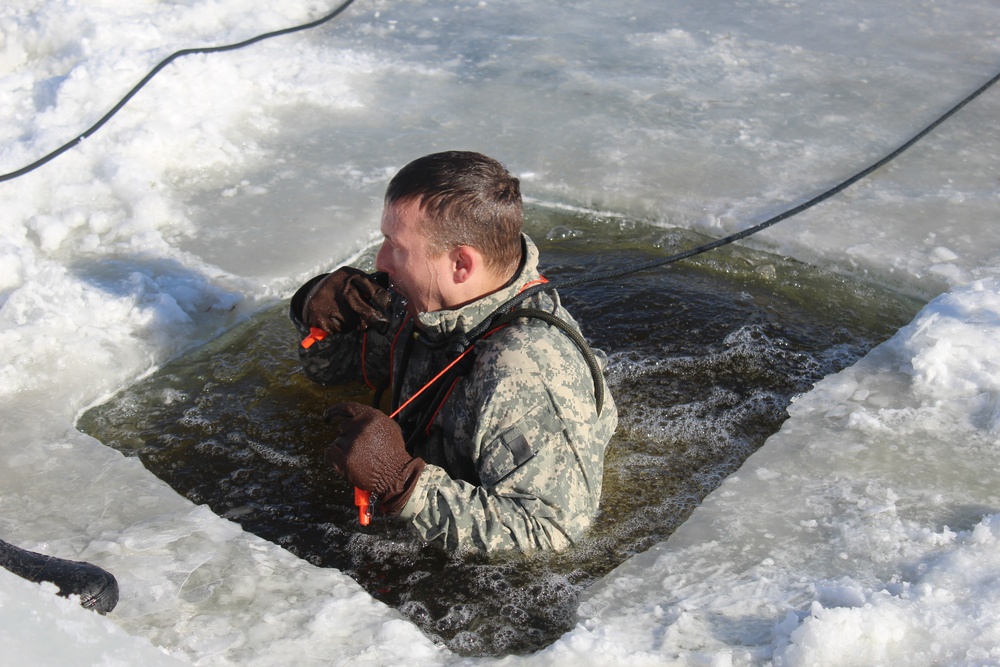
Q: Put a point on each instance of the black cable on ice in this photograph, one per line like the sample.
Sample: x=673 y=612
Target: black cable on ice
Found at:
x=156 y=70
x=712 y=245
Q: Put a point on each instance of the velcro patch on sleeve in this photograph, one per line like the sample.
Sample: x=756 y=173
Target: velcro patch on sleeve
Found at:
x=508 y=452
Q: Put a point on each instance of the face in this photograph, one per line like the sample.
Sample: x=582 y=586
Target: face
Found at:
x=413 y=270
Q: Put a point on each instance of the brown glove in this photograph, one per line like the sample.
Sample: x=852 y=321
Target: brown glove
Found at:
x=347 y=300
x=370 y=453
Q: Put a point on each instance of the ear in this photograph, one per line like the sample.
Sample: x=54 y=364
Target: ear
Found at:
x=466 y=262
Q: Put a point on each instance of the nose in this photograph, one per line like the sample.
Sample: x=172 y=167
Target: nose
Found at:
x=381 y=257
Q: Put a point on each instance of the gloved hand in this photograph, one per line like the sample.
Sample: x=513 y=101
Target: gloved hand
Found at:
x=347 y=300
x=370 y=453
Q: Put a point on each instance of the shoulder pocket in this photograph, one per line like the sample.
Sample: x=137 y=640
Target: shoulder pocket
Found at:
x=508 y=452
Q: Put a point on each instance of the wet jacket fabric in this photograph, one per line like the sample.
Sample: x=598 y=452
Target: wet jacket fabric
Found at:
x=515 y=452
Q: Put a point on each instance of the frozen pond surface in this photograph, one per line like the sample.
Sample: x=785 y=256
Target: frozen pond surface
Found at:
x=863 y=532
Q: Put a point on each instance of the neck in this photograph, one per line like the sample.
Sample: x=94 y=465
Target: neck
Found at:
x=476 y=288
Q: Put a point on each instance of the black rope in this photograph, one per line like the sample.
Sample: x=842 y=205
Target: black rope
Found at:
x=610 y=274
x=156 y=70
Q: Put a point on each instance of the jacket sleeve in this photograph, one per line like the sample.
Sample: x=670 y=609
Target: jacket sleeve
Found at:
x=339 y=358
x=539 y=454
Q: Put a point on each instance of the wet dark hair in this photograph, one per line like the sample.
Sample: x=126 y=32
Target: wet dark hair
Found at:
x=467 y=199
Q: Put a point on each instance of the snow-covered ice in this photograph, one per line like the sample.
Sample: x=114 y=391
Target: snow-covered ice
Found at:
x=866 y=531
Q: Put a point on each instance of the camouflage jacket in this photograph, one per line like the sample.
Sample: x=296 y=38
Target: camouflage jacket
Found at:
x=515 y=453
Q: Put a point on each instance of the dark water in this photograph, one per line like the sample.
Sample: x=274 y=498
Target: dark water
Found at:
x=705 y=357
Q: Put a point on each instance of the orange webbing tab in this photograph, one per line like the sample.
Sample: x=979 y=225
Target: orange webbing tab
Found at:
x=315 y=335
x=541 y=280
x=362 y=499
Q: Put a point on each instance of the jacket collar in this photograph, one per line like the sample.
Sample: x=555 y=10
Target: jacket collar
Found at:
x=440 y=324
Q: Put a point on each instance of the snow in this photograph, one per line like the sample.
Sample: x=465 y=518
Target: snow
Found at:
x=866 y=531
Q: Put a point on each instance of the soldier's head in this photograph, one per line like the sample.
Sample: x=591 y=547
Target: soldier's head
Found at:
x=451 y=220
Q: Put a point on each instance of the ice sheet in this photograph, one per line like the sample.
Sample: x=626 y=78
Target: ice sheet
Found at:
x=859 y=531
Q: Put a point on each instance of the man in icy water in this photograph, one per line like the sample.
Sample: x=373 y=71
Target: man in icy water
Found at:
x=505 y=450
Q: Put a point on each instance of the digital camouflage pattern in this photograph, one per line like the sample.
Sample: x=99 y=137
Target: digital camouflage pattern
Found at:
x=516 y=454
